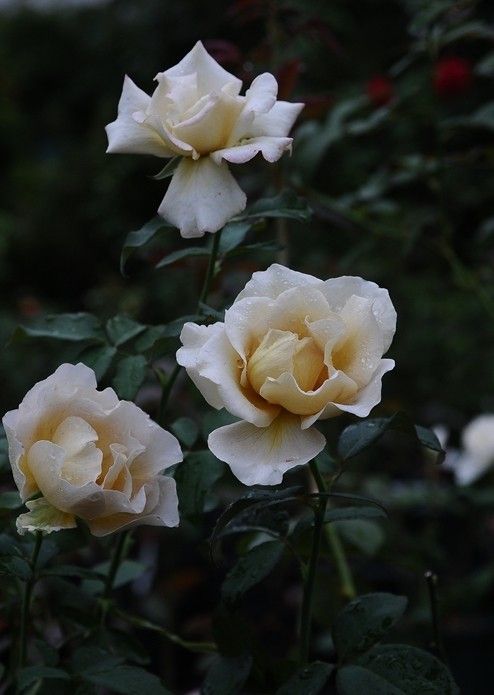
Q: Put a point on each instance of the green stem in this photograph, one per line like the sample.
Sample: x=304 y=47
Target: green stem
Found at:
x=308 y=599
x=197 y=647
x=116 y=559
x=26 y=601
x=170 y=382
x=213 y=256
x=437 y=642
x=347 y=584
x=166 y=391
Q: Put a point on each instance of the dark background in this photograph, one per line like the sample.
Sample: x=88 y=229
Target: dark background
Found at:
x=399 y=172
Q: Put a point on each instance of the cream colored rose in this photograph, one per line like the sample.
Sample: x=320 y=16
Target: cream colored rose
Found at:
x=197 y=113
x=476 y=456
x=293 y=349
x=89 y=456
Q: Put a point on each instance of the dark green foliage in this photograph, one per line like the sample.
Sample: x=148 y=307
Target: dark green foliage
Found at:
x=364 y=622
x=396 y=669
x=309 y=680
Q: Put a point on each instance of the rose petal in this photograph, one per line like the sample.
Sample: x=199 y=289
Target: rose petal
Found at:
x=277 y=122
x=213 y=365
x=369 y=396
x=161 y=510
x=285 y=392
x=209 y=128
x=174 y=95
x=43 y=517
x=275 y=280
x=201 y=197
x=359 y=350
x=211 y=77
x=82 y=458
x=271 y=149
x=126 y=135
x=339 y=290
x=88 y=501
x=262 y=455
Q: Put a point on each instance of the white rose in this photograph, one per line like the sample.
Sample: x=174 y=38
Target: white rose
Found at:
x=477 y=454
x=293 y=349
x=89 y=456
x=196 y=112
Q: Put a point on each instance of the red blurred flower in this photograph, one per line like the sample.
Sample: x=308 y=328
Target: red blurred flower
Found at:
x=380 y=90
x=452 y=76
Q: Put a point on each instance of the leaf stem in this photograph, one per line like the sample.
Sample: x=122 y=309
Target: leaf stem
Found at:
x=347 y=584
x=116 y=559
x=166 y=391
x=167 y=385
x=344 y=572
x=26 y=600
x=197 y=647
x=213 y=256
x=437 y=642
x=306 y=618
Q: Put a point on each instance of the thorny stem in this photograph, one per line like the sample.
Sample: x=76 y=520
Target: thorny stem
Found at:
x=213 y=256
x=166 y=391
x=26 y=601
x=347 y=584
x=306 y=618
x=167 y=385
x=116 y=559
x=437 y=643
x=197 y=647
x=344 y=572
x=274 y=41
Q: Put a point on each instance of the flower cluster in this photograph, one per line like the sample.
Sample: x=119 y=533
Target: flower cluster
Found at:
x=292 y=350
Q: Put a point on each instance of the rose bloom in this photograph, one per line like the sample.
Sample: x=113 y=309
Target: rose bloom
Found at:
x=292 y=350
x=380 y=90
x=196 y=112
x=476 y=456
x=89 y=456
x=452 y=76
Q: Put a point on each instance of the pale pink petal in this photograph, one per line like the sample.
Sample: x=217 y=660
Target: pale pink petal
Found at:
x=211 y=77
x=275 y=280
x=208 y=128
x=128 y=136
x=201 y=197
x=277 y=122
x=215 y=368
x=161 y=510
x=262 y=455
x=359 y=350
x=43 y=517
x=368 y=397
x=339 y=290
x=271 y=149
x=286 y=392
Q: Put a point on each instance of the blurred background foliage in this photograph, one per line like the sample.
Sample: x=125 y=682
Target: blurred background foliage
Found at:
x=394 y=152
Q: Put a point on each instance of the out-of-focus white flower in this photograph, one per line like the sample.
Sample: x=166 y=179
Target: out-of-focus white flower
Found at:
x=293 y=349
x=89 y=456
x=196 y=112
x=476 y=456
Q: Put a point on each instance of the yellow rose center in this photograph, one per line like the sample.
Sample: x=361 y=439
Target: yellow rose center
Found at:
x=283 y=351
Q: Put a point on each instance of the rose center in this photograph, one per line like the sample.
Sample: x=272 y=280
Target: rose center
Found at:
x=82 y=457
x=283 y=351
